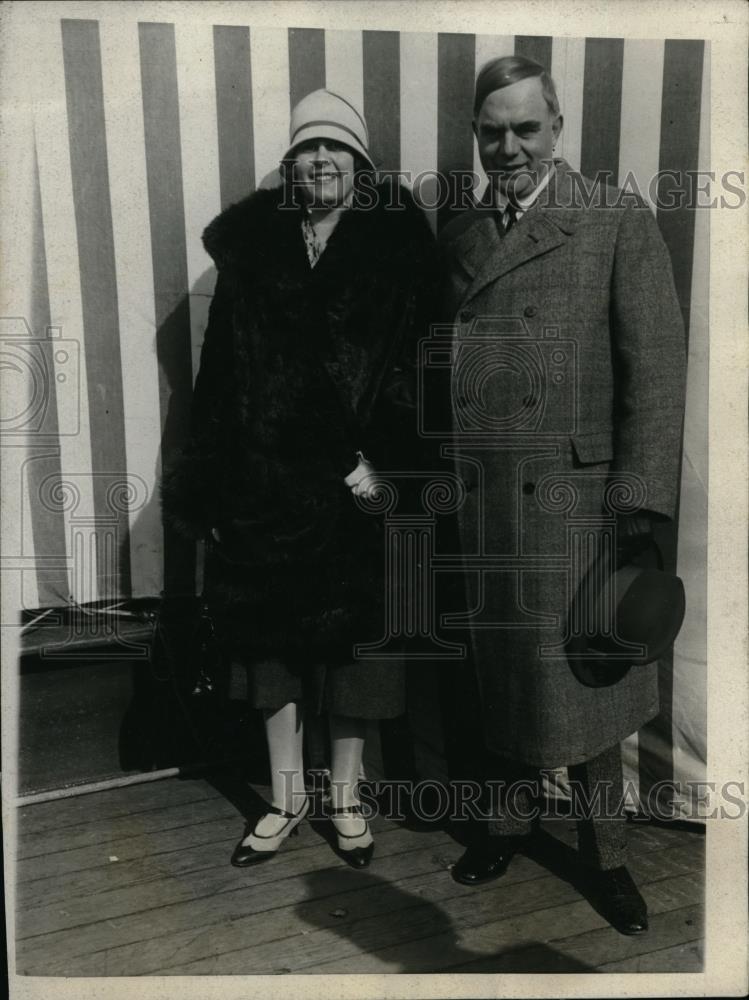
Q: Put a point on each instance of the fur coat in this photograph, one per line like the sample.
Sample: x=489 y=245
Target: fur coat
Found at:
x=301 y=368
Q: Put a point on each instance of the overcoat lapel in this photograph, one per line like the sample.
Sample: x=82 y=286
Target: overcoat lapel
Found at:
x=486 y=256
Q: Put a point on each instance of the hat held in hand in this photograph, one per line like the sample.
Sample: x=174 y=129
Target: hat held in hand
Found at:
x=623 y=618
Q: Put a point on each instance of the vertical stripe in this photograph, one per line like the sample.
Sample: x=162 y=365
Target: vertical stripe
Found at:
x=201 y=183
x=65 y=304
x=688 y=735
x=536 y=47
x=568 y=70
x=234 y=111
x=199 y=106
x=47 y=525
x=456 y=70
x=306 y=62
x=270 y=101
x=642 y=83
x=168 y=256
x=690 y=650
x=418 y=117
x=488 y=47
x=123 y=111
x=680 y=130
x=344 y=65
x=602 y=98
x=27 y=387
x=492 y=47
x=93 y=216
x=381 y=50
x=679 y=151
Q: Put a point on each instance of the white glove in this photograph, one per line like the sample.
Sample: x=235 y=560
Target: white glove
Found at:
x=363 y=480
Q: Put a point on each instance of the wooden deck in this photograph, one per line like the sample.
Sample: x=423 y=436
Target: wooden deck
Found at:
x=136 y=881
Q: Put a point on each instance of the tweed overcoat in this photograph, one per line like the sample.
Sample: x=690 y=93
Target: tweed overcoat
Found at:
x=301 y=368
x=568 y=371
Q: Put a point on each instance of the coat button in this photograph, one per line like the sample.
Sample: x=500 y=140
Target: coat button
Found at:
x=529 y=488
x=530 y=311
x=465 y=316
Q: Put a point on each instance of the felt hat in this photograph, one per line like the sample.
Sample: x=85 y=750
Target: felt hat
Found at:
x=623 y=618
x=325 y=115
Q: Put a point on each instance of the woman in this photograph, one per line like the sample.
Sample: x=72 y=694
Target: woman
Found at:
x=304 y=388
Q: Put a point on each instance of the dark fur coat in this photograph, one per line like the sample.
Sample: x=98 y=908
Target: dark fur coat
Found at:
x=300 y=369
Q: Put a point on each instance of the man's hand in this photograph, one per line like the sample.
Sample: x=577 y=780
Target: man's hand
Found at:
x=634 y=534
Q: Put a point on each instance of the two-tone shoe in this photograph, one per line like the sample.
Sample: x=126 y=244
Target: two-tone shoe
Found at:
x=354 y=840
x=255 y=847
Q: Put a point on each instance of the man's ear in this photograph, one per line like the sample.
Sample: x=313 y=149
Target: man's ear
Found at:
x=556 y=128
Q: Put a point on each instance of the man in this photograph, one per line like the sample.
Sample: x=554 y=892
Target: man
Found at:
x=568 y=370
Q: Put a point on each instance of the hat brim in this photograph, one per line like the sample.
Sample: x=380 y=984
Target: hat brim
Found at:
x=646 y=609
x=325 y=130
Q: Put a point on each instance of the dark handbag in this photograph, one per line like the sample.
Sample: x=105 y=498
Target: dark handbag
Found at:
x=187 y=651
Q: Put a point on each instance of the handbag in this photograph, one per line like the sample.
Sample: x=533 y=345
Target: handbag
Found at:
x=187 y=652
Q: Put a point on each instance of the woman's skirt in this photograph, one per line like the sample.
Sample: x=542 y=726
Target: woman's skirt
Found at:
x=294 y=620
x=367 y=689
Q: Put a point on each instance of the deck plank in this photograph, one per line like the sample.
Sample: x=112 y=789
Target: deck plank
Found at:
x=173 y=905
x=203 y=893
x=75 y=841
x=98 y=807
x=469 y=906
x=685 y=957
x=428 y=938
x=184 y=864
x=597 y=948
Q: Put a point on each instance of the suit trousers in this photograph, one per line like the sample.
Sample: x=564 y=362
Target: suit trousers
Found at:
x=597 y=791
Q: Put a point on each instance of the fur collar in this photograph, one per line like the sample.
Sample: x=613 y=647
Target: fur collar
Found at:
x=249 y=230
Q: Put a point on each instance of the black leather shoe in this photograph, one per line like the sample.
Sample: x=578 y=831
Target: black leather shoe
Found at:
x=619 y=901
x=481 y=864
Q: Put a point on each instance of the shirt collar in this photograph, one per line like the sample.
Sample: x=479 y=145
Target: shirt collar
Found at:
x=523 y=204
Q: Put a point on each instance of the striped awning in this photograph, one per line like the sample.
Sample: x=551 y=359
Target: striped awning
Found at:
x=143 y=131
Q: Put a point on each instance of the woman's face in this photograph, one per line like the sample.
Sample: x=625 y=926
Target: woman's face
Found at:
x=324 y=172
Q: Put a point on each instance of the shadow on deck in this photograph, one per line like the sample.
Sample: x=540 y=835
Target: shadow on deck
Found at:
x=137 y=881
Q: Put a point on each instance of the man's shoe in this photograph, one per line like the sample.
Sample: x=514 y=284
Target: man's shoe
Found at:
x=479 y=865
x=620 y=902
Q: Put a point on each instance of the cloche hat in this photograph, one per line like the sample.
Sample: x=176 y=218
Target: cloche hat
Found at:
x=325 y=115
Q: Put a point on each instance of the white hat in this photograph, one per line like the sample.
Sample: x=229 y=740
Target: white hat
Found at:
x=325 y=115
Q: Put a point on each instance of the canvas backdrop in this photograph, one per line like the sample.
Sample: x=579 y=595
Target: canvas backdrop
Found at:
x=144 y=131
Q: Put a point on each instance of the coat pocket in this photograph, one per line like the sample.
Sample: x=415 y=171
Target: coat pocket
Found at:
x=593 y=447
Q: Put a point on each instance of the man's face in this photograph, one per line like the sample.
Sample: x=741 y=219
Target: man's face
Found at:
x=324 y=171
x=516 y=132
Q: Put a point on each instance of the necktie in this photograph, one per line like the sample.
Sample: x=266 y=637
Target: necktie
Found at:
x=508 y=220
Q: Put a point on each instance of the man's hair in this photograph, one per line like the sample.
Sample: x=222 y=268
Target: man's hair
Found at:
x=505 y=70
